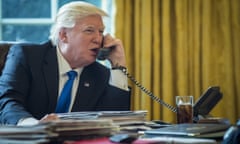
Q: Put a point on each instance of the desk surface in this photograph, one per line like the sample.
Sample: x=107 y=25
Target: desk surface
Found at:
x=148 y=141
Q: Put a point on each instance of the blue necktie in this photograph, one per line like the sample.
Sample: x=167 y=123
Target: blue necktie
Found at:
x=65 y=97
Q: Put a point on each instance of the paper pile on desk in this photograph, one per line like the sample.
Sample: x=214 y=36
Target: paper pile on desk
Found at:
x=60 y=130
x=81 y=129
x=37 y=134
x=126 y=120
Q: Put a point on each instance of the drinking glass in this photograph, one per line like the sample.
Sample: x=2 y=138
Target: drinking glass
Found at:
x=184 y=109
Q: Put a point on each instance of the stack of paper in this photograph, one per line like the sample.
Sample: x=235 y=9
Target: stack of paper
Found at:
x=191 y=130
x=131 y=121
x=75 y=126
x=38 y=134
x=57 y=131
x=82 y=129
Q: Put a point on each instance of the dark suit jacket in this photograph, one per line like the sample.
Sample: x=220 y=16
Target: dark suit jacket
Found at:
x=29 y=85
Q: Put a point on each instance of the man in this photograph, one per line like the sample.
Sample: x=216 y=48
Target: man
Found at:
x=34 y=75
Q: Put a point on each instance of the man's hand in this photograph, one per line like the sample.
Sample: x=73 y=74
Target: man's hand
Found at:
x=117 y=55
x=49 y=117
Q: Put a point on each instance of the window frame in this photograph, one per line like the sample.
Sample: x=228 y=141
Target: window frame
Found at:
x=43 y=21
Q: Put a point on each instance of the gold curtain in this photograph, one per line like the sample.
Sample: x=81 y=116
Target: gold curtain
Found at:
x=181 y=47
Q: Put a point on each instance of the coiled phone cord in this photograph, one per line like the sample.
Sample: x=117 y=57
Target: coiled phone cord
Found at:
x=149 y=93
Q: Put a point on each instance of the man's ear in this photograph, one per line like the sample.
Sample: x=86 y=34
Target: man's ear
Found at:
x=63 y=35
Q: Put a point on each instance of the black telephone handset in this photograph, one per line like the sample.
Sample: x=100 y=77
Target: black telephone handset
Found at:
x=104 y=53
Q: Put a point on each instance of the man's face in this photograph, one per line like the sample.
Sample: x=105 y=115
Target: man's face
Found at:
x=83 y=41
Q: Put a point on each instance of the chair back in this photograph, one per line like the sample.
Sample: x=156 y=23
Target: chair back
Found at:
x=4 y=48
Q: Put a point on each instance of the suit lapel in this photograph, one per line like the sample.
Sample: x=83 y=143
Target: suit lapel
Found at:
x=50 y=69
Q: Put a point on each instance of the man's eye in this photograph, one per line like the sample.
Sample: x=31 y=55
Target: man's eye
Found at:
x=101 y=31
x=89 y=30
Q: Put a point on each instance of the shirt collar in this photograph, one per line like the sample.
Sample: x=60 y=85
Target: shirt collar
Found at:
x=63 y=65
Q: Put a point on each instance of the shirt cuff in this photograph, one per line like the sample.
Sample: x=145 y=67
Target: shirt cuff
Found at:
x=27 y=121
x=118 y=79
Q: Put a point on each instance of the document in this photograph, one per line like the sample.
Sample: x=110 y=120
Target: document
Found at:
x=191 y=130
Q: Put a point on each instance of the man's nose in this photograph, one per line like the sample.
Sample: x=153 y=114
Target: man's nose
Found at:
x=99 y=40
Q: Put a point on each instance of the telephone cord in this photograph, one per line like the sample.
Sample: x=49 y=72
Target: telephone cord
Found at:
x=149 y=93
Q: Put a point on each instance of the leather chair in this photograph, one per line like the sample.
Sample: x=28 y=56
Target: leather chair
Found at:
x=4 y=48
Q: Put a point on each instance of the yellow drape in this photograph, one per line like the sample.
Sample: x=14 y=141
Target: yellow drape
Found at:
x=181 y=47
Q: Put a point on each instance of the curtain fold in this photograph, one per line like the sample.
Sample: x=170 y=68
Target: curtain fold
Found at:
x=181 y=47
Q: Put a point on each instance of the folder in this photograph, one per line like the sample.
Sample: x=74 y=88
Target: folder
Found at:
x=191 y=130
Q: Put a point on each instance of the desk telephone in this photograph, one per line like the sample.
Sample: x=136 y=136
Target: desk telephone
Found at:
x=202 y=107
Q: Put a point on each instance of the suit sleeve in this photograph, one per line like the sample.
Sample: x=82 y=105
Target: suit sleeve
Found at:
x=14 y=83
x=114 y=98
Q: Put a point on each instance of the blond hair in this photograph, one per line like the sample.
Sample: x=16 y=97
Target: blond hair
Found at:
x=69 y=13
